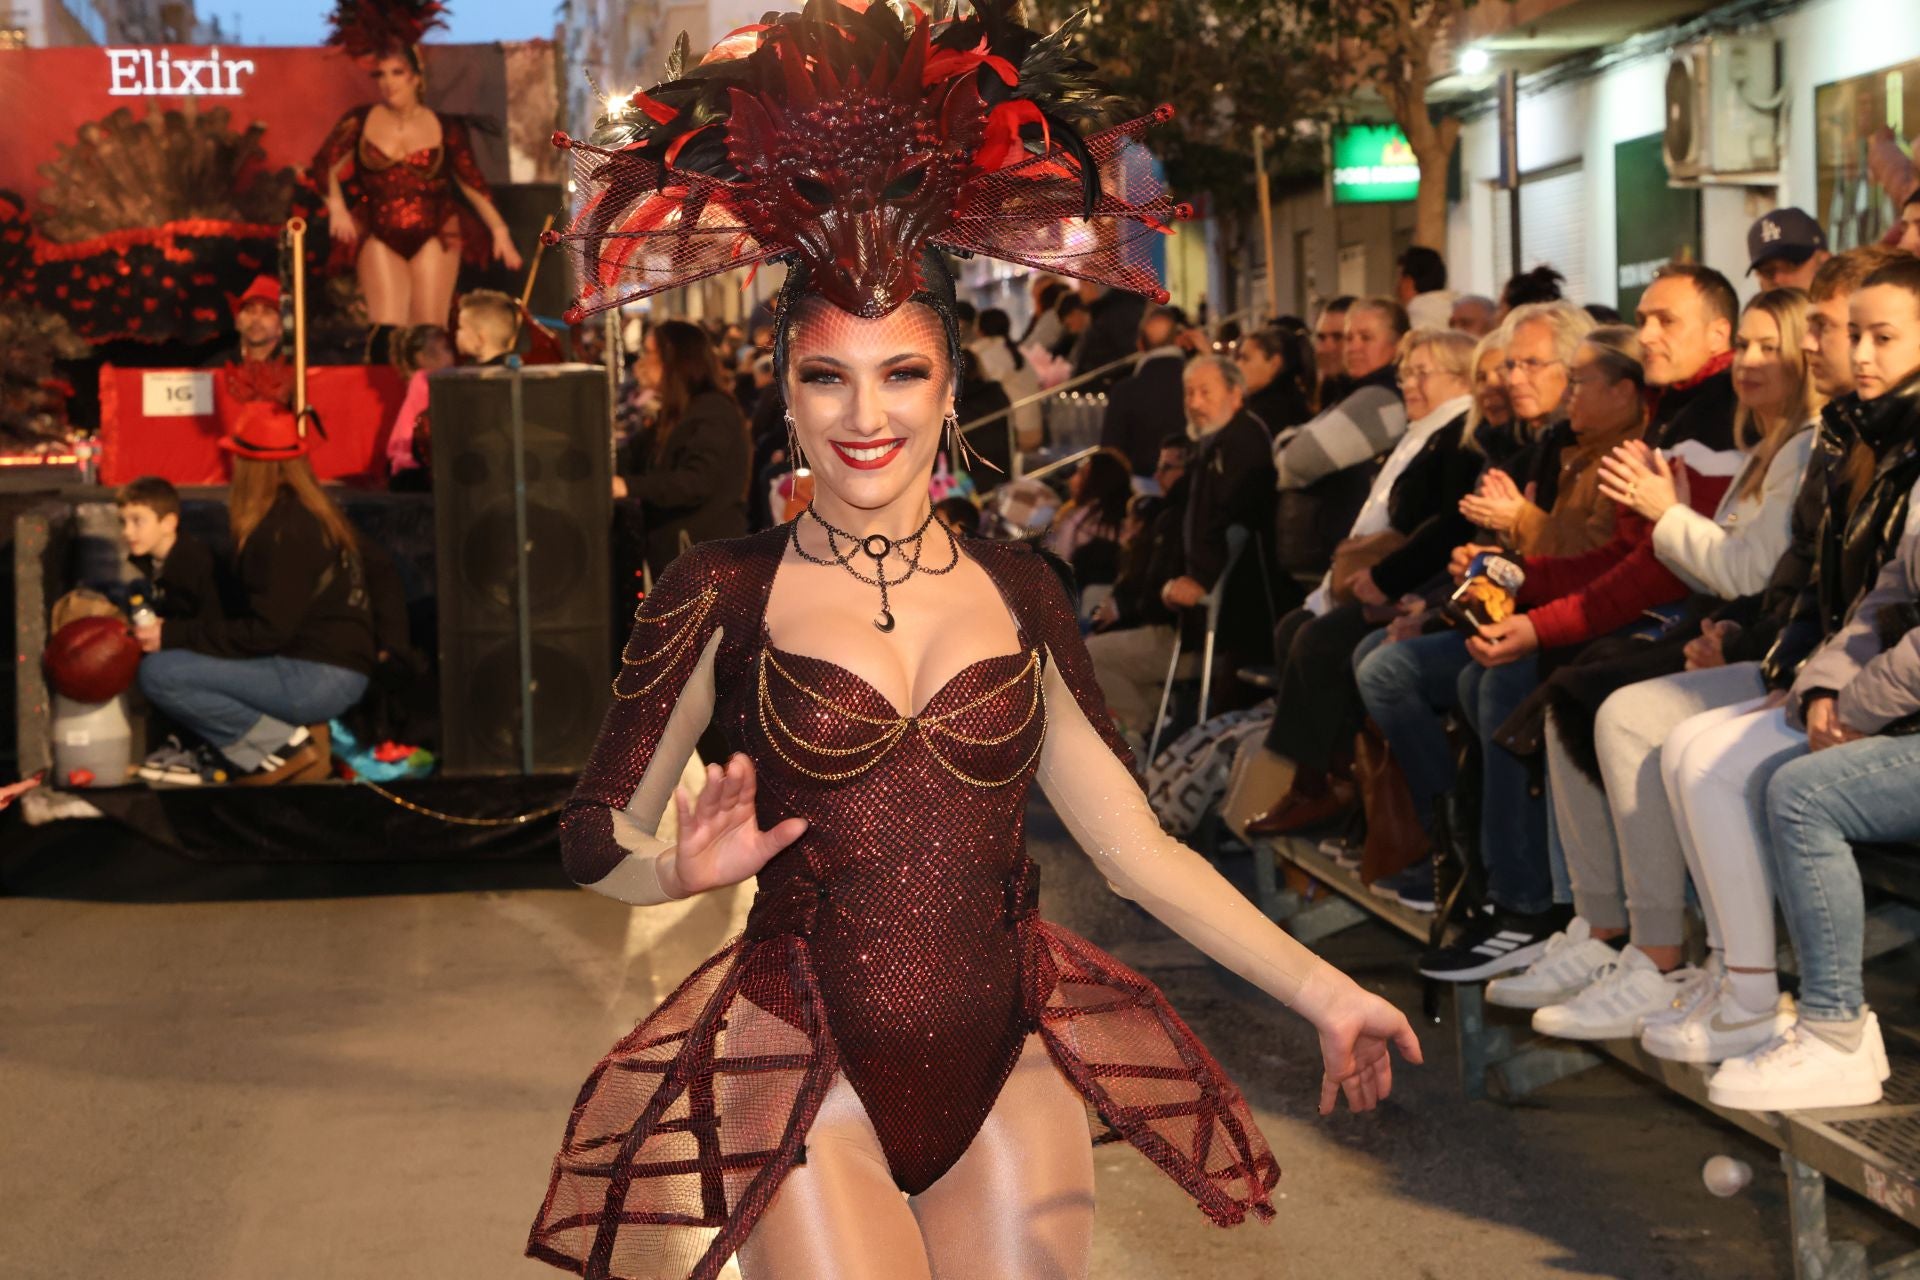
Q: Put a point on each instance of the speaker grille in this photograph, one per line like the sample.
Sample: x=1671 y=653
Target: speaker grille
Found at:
x=569 y=513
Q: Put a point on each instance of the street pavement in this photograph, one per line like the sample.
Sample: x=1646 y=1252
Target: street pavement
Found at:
x=331 y=1088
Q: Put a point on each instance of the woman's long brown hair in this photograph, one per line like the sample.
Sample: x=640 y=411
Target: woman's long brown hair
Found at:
x=687 y=367
x=256 y=485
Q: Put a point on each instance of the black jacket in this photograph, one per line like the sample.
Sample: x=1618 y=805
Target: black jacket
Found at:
x=697 y=484
x=1232 y=483
x=1761 y=617
x=185 y=585
x=1112 y=332
x=1425 y=498
x=1152 y=560
x=1702 y=412
x=1855 y=538
x=1448 y=467
x=304 y=598
x=1280 y=405
x=1144 y=408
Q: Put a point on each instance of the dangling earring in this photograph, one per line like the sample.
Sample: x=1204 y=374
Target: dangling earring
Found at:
x=796 y=460
x=959 y=451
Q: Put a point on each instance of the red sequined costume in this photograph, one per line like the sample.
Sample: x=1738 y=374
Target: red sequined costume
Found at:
x=896 y=942
x=405 y=201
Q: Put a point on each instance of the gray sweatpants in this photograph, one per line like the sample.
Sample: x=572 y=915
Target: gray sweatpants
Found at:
x=1623 y=849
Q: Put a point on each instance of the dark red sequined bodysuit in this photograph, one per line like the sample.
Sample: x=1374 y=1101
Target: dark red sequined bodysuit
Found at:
x=897 y=941
x=406 y=201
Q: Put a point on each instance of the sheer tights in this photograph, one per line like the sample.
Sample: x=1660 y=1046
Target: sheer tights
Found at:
x=1018 y=1205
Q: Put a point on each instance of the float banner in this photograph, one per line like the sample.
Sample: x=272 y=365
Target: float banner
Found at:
x=295 y=95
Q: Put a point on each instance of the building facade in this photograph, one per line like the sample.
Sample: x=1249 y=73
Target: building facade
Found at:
x=40 y=24
x=1782 y=99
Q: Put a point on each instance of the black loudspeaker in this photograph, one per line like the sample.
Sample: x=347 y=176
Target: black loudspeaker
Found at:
x=565 y=466
x=525 y=207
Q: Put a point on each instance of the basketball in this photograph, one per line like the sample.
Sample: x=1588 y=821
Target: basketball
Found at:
x=92 y=659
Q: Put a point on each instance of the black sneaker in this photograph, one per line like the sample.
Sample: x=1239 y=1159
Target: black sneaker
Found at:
x=1495 y=942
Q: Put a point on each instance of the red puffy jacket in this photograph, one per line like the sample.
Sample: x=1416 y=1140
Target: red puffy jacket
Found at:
x=1577 y=598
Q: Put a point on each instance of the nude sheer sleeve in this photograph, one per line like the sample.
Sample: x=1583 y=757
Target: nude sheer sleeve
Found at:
x=1107 y=814
x=663 y=698
x=636 y=878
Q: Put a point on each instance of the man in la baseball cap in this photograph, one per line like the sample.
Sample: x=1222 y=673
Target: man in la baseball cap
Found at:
x=1786 y=247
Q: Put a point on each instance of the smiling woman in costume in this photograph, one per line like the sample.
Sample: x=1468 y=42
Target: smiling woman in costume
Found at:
x=405 y=197
x=896 y=1016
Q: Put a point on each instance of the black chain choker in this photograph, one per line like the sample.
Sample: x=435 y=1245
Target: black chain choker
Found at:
x=876 y=547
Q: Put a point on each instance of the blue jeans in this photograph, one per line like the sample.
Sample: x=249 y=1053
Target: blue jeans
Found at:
x=1817 y=806
x=247 y=707
x=1513 y=813
x=1408 y=688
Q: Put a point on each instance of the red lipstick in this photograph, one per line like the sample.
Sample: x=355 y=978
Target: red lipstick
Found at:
x=868 y=455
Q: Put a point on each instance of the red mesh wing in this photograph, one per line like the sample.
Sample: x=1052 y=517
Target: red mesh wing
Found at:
x=649 y=1184
x=633 y=237
x=1030 y=212
x=1148 y=1079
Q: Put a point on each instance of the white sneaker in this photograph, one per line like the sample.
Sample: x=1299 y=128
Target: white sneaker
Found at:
x=1799 y=1071
x=1571 y=962
x=1717 y=1029
x=1692 y=986
x=1612 y=1005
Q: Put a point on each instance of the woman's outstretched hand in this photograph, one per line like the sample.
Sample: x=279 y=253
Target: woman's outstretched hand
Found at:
x=1356 y=1029
x=720 y=841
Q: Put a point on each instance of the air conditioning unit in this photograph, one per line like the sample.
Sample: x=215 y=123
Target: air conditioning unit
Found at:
x=1723 y=108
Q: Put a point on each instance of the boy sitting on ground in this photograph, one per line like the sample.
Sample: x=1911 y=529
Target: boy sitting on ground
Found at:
x=178 y=577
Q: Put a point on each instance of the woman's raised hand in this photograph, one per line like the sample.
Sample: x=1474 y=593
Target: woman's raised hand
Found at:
x=720 y=841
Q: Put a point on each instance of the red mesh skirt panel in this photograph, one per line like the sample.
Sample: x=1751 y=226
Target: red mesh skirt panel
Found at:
x=650 y=1184
x=1148 y=1079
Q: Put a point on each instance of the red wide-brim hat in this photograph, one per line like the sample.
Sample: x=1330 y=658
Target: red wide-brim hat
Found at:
x=266 y=432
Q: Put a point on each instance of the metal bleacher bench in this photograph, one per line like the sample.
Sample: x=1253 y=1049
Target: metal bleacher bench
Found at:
x=1873 y=1151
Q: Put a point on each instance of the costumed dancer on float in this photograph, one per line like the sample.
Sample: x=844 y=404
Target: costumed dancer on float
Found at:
x=896 y=1017
x=405 y=197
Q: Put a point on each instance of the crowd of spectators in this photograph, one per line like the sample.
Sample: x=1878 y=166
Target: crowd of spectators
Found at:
x=1696 y=690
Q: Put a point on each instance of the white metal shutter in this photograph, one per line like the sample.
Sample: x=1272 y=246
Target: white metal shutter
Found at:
x=1553 y=228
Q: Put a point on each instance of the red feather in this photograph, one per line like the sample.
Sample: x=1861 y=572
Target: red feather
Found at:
x=948 y=63
x=657 y=111
x=1003 y=148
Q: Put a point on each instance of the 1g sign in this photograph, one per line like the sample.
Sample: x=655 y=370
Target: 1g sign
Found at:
x=176 y=393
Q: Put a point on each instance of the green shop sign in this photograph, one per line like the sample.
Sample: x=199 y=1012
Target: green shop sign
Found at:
x=1373 y=164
